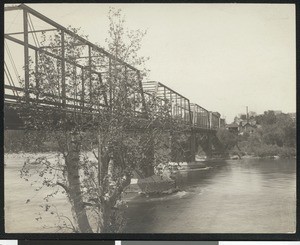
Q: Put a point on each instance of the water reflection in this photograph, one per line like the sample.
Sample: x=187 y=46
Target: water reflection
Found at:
x=238 y=196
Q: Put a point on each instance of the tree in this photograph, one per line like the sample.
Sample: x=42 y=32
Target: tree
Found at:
x=268 y=117
x=276 y=135
x=101 y=144
x=228 y=139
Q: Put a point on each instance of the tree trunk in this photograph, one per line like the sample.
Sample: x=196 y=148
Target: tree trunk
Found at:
x=106 y=213
x=75 y=195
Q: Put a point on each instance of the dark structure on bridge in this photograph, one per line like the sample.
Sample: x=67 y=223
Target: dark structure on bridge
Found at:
x=80 y=77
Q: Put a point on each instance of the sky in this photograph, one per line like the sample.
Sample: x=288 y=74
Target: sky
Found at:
x=223 y=57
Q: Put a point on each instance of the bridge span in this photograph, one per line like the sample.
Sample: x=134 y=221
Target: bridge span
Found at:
x=63 y=70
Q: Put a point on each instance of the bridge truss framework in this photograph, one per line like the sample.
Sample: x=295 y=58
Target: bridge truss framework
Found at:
x=85 y=72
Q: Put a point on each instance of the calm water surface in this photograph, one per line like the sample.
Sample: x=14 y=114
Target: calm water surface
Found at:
x=239 y=196
x=256 y=196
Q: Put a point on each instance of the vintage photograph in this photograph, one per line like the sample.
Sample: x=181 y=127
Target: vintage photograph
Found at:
x=149 y=118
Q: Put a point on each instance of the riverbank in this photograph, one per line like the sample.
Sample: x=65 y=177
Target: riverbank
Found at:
x=263 y=151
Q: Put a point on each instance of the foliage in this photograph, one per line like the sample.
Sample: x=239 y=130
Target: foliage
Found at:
x=228 y=139
x=275 y=136
x=98 y=146
x=123 y=43
x=278 y=129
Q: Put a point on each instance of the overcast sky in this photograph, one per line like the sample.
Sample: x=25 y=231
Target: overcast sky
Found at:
x=223 y=57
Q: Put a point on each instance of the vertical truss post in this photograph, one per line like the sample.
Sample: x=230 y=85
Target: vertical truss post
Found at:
x=142 y=93
x=171 y=101
x=75 y=84
x=63 y=69
x=90 y=72
x=155 y=95
x=202 y=117
x=190 y=114
x=37 y=86
x=181 y=108
x=193 y=117
x=165 y=102
x=103 y=90
x=185 y=112
x=26 y=53
x=110 y=83
x=82 y=88
x=193 y=147
x=176 y=108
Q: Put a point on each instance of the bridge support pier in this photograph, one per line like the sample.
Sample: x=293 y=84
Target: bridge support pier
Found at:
x=182 y=147
x=193 y=147
x=211 y=145
x=147 y=166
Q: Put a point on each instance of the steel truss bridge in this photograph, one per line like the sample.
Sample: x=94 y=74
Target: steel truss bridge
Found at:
x=86 y=72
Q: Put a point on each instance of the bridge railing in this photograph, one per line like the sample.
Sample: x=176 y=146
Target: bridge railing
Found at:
x=200 y=117
x=177 y=106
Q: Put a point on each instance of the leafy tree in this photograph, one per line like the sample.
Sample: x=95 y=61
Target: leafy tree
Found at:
x=228 y=139
x=268 y=117
x=275 y=136
x=101 y=144
x=278 y=129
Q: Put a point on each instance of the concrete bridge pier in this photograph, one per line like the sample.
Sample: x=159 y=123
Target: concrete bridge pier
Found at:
x=204 y=140
x=147 y=165
x=193 y=147
x=182 y=147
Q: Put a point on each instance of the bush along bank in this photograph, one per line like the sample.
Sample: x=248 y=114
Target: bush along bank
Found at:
x=273 y=137
x=267 y=151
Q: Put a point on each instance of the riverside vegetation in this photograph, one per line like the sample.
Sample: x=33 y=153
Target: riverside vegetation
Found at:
x=275 y=135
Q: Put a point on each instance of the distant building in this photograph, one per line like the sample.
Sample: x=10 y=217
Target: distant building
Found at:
x=237 y=120
x=222 y=123
x=243 y=117
x=247 y=126
x=233 y=128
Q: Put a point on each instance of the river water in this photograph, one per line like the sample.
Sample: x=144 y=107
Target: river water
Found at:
x=238 y=196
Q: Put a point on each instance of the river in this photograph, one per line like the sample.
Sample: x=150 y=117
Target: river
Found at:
x=237 y=196
x=249 y=195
